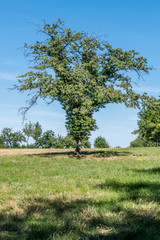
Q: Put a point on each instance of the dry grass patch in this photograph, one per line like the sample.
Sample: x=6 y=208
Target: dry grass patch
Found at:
x=7 y=152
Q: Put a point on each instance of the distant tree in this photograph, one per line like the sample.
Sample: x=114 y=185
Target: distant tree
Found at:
x=1 y=143
x=69 y=142
x=100 y=142
x=50 y=140
x=59 y=142
x=28 y=131
x=47 y=140
x=87 y=74
x=18 y=138
x=86 y=143
x=37 y=132
x=12 y=139
x=149 y=123
x=6 y=136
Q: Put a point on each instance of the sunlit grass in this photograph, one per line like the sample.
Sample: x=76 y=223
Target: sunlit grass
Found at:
x=113 y=194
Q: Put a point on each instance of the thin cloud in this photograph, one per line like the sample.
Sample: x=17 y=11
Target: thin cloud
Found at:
x=147 y=89
x=6 y=120
x=8 y=62
x=47 y=113
x=8 y=76
x=8 y=105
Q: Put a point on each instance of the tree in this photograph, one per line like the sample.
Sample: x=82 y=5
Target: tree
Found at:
x=33 y=130
x=28 y=131
x=6 y=136
x=12 y=139
x=47 y=140
x=83 y=73
x=149 y=123
x=100 y=142
x=59 y=142
x=37 y=131
x=17 y=139
x=1 y=143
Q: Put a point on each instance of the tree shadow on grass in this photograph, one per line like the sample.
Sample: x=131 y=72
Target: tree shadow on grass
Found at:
x=84 y=153
x=47 y=219
x=147 y=191
x=151 y=170
x=133 y=227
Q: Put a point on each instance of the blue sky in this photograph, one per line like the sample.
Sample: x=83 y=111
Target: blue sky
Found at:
x=125 y=24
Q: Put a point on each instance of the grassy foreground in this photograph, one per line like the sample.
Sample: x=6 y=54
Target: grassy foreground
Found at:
x=113 y=195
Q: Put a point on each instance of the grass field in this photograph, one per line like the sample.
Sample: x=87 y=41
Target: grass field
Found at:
x=103 y=195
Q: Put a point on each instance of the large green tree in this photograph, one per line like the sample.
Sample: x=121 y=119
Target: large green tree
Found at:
x=83 y=73
x=149 y=124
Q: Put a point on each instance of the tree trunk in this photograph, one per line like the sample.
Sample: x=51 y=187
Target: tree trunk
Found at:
x=78 y=147
x=27 y=142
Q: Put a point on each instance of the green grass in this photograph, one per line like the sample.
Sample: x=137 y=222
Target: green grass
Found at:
x=113 y=194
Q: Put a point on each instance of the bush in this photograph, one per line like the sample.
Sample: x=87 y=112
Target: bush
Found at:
x=136 y=143
x=100 y=142
x=142 y=142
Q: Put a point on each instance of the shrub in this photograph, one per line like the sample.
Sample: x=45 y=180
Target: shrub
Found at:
x=142 y=142
x=100 y=142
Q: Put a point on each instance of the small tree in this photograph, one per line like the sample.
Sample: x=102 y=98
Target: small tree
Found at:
x=59 y=142
x=37 y=132
x=17 y=139
x=100 y=142
x=83 y=73
x=47 y=140
x=28 y=131
x=6 y=136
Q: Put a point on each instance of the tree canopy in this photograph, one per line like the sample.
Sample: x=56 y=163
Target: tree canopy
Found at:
x=83 y=73
x=11 y=139
x=149 y=124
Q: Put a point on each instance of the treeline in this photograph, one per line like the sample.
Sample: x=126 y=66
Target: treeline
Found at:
x=32 y=132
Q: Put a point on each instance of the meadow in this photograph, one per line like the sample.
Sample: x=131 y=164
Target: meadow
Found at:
x=109 y=194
